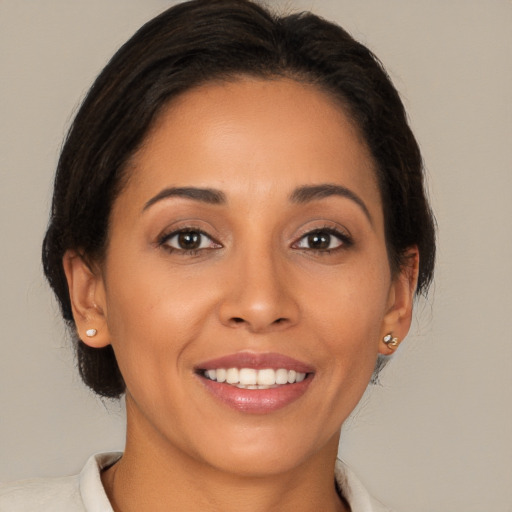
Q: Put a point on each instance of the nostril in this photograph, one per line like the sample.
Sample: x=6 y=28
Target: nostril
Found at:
x=258 y=324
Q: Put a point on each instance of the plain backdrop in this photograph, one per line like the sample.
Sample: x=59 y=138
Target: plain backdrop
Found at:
x=436 y=436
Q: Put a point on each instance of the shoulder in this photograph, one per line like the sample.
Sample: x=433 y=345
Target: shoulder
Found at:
x=79 y=493
x=354 y=491
x=41 y=494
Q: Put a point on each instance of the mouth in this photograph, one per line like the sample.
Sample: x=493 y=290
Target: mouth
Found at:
x=256 y=383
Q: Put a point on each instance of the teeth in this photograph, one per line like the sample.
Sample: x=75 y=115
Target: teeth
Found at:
x=282 y=376
x=232 y=376
x=249 y=378
x=266 y=377
x=300 y=377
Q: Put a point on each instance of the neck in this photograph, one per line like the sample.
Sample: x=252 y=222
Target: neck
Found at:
x=155 y=476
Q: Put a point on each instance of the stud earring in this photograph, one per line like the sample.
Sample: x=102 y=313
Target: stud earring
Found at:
x=90 y=333
x=391 y=341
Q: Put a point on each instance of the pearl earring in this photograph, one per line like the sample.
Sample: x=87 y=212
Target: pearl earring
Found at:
x=90 y=333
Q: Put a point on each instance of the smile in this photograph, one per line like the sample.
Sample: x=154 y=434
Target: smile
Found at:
x=251 y=378
x=256 y=383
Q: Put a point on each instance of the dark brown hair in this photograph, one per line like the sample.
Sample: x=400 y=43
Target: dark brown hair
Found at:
x=200 y=41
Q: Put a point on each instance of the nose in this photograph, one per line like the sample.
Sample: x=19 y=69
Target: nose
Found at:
x=259 y=294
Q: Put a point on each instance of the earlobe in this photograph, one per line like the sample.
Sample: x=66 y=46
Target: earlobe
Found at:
x=87 y=295
x=397 y=320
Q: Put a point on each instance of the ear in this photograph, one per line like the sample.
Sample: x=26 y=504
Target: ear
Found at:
x=87 y=294
x=397 y=320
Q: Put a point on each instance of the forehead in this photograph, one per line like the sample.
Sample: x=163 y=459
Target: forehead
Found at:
x=253 y=133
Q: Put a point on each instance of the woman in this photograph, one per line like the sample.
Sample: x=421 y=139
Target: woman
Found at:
x=238 y=230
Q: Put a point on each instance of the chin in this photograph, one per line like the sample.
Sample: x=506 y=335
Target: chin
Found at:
x=260 y=453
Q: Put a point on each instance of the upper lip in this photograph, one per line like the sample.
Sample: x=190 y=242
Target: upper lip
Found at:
x=255 y=360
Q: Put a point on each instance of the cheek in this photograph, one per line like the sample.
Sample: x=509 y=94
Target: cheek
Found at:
x=350 y=299
x=348 y=315
x=151 y=296
x=154 y=314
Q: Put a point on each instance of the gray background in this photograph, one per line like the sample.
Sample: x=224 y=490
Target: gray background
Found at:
x=437 y=435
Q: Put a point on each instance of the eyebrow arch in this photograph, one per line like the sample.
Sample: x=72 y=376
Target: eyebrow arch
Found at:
x=309 y=193
x=205 y=195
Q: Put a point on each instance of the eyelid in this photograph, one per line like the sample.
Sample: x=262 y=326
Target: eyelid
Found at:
x=169 y=234
x=340 y=232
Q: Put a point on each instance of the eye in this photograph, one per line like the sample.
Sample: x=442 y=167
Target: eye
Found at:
x=188 y=240
x=325 y=239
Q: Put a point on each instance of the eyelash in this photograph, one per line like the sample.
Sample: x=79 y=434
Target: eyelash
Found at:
x=345 y=241
x=165 y=238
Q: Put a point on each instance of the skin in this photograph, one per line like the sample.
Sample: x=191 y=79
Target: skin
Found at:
x=256 y=285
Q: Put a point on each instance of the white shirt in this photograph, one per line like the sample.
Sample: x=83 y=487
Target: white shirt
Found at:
x=85 y=493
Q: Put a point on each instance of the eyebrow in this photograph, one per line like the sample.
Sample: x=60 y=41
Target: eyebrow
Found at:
x=309 y=193
x=205 y=195
x=301 y=195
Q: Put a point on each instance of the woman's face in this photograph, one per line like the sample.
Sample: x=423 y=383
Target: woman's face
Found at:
x=248 y=244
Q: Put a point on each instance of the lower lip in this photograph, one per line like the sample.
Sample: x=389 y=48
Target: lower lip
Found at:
x=257 y=401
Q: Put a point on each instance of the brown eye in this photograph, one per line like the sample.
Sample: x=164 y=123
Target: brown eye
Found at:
x=319 y=241
x=189 y=240
x=323 y=240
